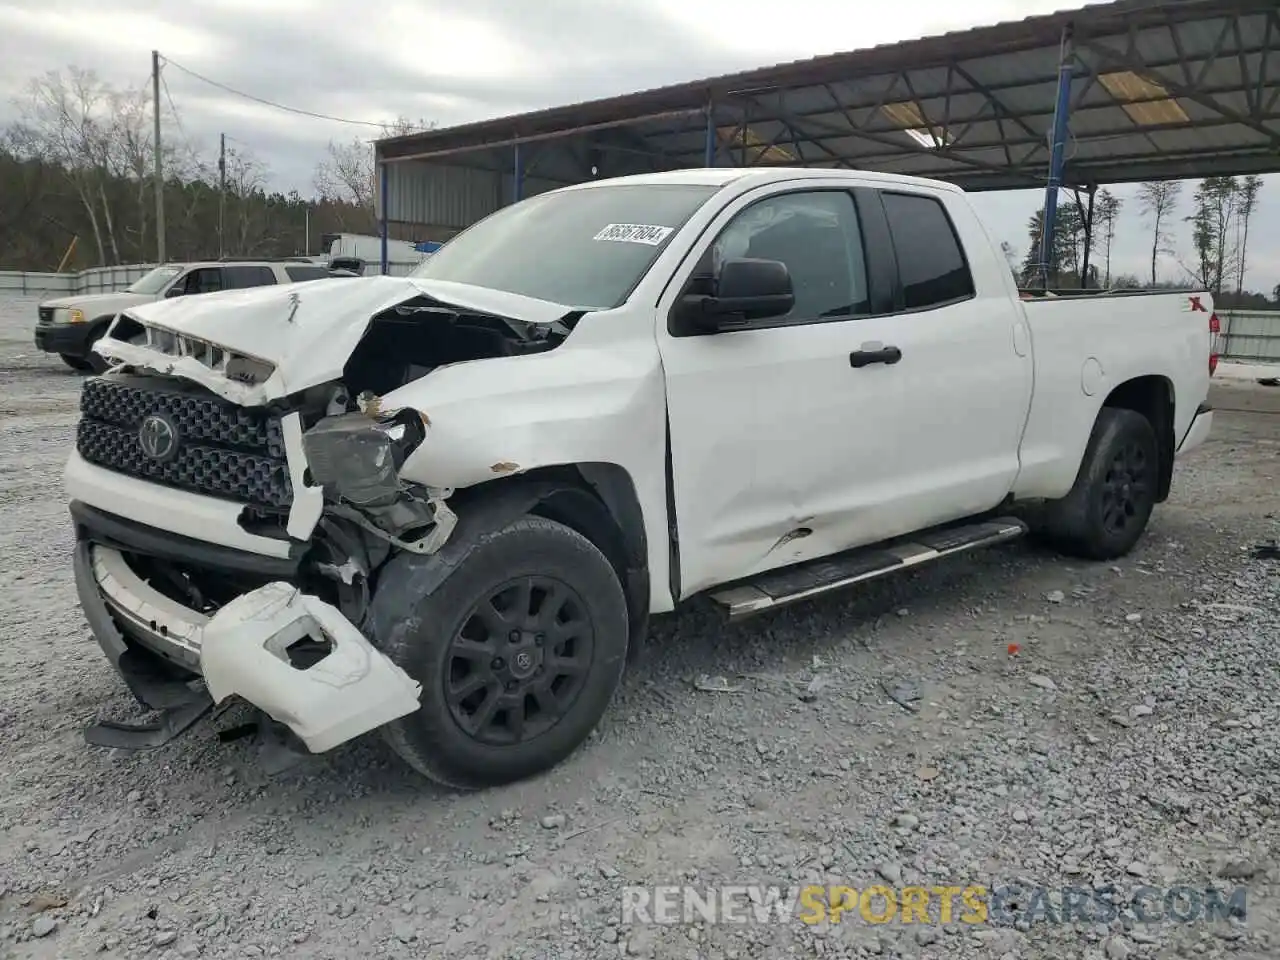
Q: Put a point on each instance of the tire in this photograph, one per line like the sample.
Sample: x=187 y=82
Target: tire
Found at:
x=79 y=364
x=556 y=572
x=97 y=363
x=1109 y=506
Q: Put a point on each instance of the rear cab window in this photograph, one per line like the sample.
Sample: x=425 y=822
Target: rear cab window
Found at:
x=931 y=263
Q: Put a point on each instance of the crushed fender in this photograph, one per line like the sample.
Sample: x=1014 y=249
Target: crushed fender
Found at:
x=299 y=660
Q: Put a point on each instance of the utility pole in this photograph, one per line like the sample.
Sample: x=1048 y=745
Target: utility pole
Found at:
x=155 y=102
x=222 y=192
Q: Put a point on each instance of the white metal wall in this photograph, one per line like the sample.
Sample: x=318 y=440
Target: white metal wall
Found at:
x=448 y=196
x=95 y=280
x=1251 y=335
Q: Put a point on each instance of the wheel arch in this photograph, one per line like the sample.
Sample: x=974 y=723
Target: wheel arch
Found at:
x=597 y=500
x=1153 y=397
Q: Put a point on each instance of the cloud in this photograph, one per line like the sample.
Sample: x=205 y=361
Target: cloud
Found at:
x=453 y=61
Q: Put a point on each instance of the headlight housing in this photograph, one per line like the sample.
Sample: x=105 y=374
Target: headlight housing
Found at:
x=352 y=457
x=75 y=316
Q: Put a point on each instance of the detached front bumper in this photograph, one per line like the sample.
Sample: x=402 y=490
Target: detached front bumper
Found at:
x=181 y=660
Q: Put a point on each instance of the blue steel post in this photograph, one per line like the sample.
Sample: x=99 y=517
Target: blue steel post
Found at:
x=709 y=158
x=1057 y=157
x=383 y=191
x=517 y=176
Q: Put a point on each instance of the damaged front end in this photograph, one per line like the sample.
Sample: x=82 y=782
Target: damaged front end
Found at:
x=283 y=635
x=241 y=562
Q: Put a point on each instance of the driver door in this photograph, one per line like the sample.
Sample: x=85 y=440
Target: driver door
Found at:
x=763 y=441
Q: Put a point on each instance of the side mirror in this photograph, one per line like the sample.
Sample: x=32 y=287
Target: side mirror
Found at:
x=746 y=290
x=175 y=291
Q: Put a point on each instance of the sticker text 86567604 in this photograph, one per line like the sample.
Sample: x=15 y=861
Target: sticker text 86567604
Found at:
x=634 y=233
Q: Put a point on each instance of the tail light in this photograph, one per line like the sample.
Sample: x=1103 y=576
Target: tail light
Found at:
x=1215 y=329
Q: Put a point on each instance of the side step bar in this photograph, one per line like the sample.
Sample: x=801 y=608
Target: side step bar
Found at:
x=776 y=588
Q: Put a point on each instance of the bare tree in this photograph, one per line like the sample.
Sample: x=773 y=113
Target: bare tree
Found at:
x=96 y=136
x=1213 y=222
x=1247 y=204
x=346 y=174
x=246 y=179
x=1158 y=201
x=62 y=123
x=1107 y=216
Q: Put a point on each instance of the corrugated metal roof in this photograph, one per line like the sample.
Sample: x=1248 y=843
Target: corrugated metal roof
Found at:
x=1198 y=93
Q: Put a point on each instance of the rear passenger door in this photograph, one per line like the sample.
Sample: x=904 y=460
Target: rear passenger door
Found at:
x=939 y=428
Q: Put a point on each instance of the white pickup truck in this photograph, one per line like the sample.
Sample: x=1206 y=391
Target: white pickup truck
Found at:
x=445 y=505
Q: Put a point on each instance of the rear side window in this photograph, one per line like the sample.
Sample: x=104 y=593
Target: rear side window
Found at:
x=299 y=274
x=931 y=262
x=240 y=277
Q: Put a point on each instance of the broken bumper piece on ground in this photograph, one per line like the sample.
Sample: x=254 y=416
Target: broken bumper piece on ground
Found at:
x=290 y=654
x=299 y=660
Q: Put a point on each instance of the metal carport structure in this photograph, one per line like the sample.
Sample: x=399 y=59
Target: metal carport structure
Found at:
x=1117 y=92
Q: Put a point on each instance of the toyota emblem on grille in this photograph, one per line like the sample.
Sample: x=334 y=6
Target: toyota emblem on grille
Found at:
x=158 y=437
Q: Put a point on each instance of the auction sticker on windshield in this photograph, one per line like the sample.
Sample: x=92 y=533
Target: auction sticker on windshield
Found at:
x=634 y=233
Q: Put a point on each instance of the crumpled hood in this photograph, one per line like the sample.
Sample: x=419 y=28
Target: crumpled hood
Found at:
x=306 y=330
x=107 y=302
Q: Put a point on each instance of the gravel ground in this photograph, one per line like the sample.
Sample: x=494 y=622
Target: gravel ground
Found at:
x=1054 y=724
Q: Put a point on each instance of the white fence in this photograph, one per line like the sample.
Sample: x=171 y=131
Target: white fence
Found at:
x=95 y=280
x=1251 y=336
x=110 y=279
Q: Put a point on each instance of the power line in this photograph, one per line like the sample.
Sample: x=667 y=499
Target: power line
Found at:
x=177 y=118
x=271 y=103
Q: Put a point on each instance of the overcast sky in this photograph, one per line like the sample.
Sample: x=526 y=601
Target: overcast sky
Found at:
x=454 y=61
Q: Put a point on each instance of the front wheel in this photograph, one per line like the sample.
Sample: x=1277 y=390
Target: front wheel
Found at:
x=519 y=652
x=79 y=364
x=97 y=362
x=1108 y=507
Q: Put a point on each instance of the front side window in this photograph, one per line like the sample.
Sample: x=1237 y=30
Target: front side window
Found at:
x=817 y=235
x=584 y=248
x=931 y=263
x=153 y=282
x=203 y=280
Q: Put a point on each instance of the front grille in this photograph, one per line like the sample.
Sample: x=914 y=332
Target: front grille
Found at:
x=221 y=450
x=46 y=316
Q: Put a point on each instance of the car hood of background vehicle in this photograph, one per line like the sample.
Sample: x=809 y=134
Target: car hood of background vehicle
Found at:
x=94 y=302
x=308 y=330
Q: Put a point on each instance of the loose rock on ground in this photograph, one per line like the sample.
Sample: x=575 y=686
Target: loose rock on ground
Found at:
x=1148 y=759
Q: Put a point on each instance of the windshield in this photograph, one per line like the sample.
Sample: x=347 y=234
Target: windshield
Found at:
x=582 y=248
x=154 y=281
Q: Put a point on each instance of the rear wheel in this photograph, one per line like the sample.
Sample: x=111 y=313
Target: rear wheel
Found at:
x=1107 y=510
x=519 y=652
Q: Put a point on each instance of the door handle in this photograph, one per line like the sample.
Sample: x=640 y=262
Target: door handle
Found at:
x=864 y=358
